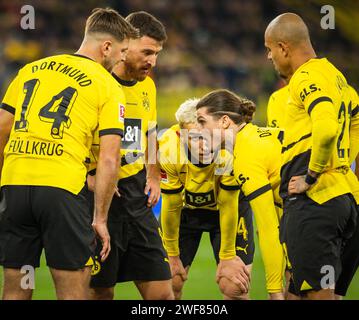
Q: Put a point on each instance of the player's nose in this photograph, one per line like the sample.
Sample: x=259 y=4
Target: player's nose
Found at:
x=152 y=61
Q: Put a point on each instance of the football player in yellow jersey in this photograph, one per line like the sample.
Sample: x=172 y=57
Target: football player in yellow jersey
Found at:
x=47 y=118
x=276 y=107
x=320 y=211
x=256 y=167
x=202 y=196
x=350 y=252
x=137 y=252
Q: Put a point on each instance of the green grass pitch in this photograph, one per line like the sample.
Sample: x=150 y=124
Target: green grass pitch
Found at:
x=200 y=284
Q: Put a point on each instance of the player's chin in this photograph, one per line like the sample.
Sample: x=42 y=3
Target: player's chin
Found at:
x=230 y=289
x=141 y=76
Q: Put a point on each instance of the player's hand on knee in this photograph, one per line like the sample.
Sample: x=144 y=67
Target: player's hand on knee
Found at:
x=233 y=289
x=102 y=233
x=177 y=268
x=232 y=269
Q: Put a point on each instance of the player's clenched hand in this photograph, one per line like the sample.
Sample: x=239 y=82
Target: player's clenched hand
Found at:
x=297 y=185
x=102 y=233
x=177 y=268
x=153 y=186
x=91 y=180
x=236 y=271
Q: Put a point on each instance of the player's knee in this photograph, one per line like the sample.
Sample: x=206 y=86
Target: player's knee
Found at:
x=167 y=295
x=230 y=290
x=243 y=296
x=102 y=294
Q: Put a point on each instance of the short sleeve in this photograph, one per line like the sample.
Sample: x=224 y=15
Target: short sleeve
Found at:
x=308 y=90
x=11 y=96
x=112 y=113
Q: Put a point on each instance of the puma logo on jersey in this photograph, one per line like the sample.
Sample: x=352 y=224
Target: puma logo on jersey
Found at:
x=238 y=248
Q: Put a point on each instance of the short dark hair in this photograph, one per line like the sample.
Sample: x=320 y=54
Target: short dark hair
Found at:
x=224 y=102
x=147 y=25
x=109 y=21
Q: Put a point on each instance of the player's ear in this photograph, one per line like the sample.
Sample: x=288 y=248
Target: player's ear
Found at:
x=226 y=122
x=284 y=48
x=106 y=48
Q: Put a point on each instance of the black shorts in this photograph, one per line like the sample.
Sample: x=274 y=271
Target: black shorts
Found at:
x=137 y=251
x=196 y=221
x=350 y=262
x=33 y=218
x=314 y=235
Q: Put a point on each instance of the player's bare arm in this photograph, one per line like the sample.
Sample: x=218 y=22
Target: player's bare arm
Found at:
x=153 y=171
x=6 y=121
x=107 y=168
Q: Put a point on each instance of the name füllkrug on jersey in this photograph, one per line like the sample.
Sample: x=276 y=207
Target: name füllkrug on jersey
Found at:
x=20 y=146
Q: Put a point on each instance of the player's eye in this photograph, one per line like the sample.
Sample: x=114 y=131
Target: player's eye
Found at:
x=148 y=52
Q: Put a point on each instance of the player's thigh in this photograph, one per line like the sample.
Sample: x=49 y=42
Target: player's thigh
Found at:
x=350 y=261
x=67 y=234
x=190 y=233
x=20 y=233
x=313 y=228
x=145 y=258
x=105 y=273
x=72 y=284
x=155 y=290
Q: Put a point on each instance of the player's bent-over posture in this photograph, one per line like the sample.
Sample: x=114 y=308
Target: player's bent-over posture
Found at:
x=199 y=197
x=256 y=167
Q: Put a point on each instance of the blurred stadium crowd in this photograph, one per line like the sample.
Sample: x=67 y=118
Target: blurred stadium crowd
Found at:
x=210 y=44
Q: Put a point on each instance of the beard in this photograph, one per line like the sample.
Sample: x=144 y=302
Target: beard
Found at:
x=135 y=72
x=109 y=64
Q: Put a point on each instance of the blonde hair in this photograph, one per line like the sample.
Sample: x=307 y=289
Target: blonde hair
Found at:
x=186 y=113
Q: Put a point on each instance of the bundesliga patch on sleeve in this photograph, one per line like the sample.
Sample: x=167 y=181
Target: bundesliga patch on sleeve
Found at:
x=121 y=112
x=164 y=176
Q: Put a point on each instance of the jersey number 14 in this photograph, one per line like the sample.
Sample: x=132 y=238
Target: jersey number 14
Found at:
x=59 y=117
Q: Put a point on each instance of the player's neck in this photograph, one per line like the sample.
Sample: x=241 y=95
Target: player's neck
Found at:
x=236 y=129
x=301 y=58
x=87 y=53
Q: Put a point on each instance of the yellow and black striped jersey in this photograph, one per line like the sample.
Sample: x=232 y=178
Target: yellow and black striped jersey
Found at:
x=188 y=183
x=58 y=103
x=276 y=107
x=317 y=86
x=256 y=164
x=140 y=120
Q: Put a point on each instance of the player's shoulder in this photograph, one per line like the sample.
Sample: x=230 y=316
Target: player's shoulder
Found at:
x=279 y=94
x=170 y=132
x=169 y=140
x=315 y=70
x=169 y=149
x=256 y=140
x=224 y=162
